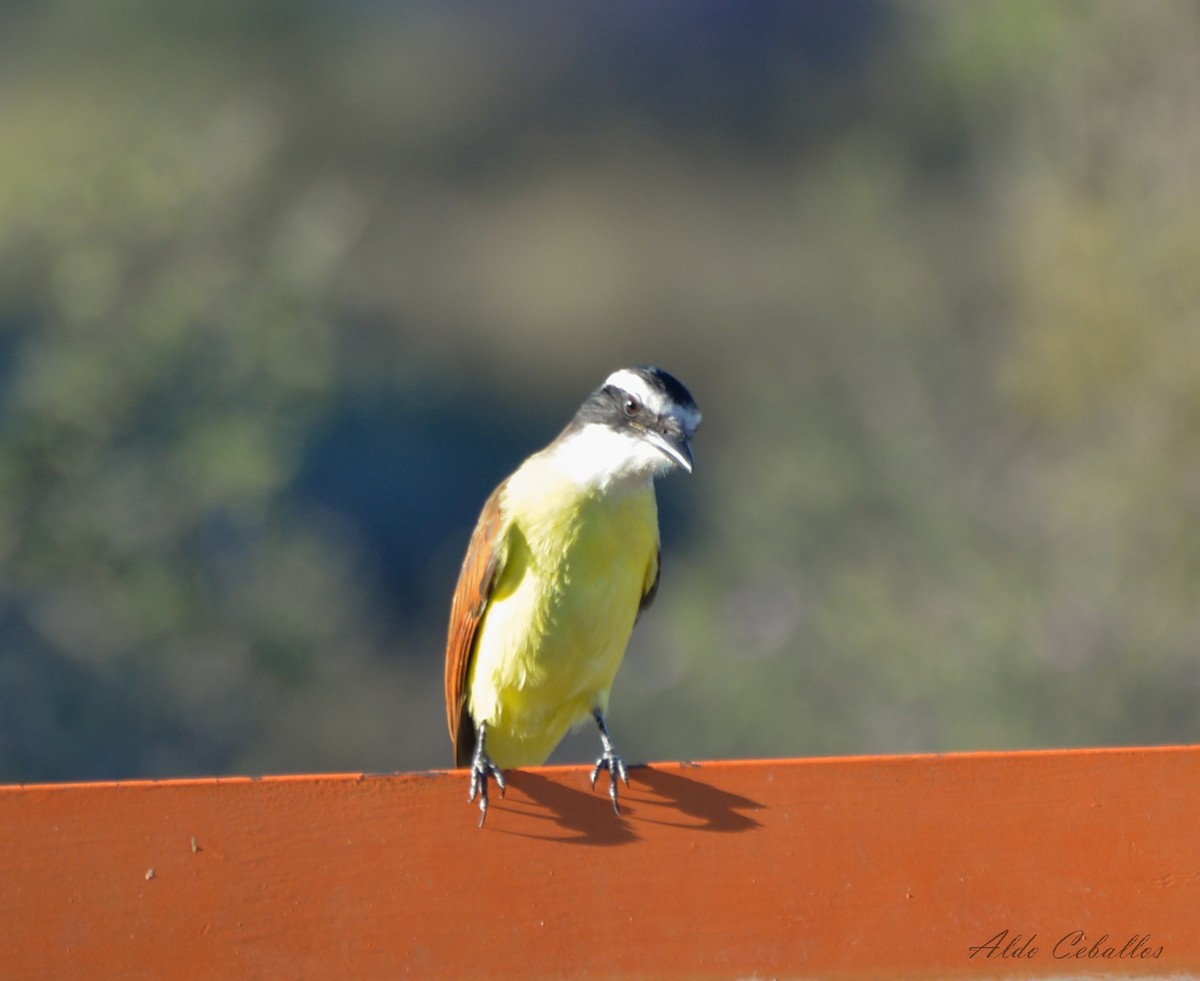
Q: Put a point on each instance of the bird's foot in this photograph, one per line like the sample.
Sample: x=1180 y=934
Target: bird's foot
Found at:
x=609 y=760
x=482 y=768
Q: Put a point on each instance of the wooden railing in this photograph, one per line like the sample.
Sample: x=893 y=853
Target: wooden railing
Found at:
x=1043 y=864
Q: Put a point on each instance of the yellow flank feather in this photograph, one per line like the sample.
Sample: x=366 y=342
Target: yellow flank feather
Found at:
x=575 y=563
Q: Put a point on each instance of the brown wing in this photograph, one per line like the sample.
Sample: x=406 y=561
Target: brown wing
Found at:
x=470 y=600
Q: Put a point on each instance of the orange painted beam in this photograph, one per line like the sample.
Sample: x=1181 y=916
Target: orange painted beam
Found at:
x=1044 y=864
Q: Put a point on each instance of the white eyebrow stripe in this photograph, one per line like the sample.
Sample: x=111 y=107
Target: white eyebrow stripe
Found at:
x=636 y=386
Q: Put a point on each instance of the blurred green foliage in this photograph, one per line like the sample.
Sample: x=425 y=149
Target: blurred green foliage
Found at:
x=285 y=288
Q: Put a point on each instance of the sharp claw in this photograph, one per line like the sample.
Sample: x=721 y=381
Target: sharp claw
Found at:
x=482 y=768
x=611 y=761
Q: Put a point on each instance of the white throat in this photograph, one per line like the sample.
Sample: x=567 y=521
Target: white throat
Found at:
x=601 y=458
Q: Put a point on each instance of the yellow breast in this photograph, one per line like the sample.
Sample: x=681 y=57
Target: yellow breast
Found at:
x=576 y=564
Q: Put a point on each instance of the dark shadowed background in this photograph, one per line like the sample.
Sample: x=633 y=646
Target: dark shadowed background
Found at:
x=286 y=287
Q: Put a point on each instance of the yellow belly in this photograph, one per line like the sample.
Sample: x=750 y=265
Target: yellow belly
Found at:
x=562 y=609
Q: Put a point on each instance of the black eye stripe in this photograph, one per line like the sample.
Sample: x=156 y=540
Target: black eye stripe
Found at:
x=639 y=397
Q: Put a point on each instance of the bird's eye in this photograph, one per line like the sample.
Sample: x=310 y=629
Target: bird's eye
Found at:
x=631 y=406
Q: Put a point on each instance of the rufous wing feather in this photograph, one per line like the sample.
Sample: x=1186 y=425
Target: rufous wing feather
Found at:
x=471 y=596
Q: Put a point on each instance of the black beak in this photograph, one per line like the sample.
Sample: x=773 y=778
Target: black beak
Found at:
x=669 y=438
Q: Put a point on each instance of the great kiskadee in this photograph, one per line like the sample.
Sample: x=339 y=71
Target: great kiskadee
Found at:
x=563 y=560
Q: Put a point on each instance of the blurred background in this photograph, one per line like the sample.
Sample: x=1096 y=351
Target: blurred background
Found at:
x=287 y=287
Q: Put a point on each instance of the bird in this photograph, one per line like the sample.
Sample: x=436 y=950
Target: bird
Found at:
x=564 y=559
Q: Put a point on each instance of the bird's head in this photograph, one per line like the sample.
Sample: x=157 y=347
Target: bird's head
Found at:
x=639 y=423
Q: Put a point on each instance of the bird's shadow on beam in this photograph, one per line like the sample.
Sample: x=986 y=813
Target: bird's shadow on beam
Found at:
x=658 y=795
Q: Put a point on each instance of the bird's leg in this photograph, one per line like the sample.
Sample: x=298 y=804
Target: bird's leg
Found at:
x=609 y=760
x=482 y=767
